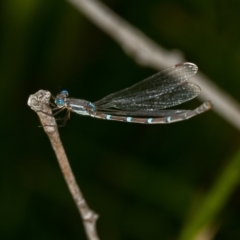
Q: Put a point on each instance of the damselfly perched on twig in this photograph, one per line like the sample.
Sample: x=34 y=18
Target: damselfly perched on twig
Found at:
x=144 y=102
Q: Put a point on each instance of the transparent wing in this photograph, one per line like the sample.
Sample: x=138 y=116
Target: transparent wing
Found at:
x=164 y=89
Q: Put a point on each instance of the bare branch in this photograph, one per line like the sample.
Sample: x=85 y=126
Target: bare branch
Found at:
x=39 y=102
x=134 y=42
x=148 y=53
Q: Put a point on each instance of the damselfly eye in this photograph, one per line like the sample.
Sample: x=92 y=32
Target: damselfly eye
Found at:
x=65 y=92
x=60 y=102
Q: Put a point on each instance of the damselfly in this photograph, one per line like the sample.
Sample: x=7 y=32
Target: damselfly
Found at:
x=144 y=102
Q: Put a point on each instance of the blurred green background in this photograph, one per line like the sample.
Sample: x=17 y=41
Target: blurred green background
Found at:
x=145 y=182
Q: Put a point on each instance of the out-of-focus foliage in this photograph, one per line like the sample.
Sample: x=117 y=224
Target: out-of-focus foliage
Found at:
x=146 y=182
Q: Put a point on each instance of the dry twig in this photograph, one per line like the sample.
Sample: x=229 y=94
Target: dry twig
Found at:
x=39 y=102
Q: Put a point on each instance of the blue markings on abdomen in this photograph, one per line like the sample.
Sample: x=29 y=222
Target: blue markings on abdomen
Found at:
x=128 y=119
x=149 y=120
x=108 y=117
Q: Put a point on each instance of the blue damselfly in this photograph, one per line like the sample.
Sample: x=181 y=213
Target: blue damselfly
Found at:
x=144 y=102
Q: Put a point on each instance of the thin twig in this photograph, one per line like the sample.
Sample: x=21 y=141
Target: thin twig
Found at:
x=39 y=102
x=148 y=53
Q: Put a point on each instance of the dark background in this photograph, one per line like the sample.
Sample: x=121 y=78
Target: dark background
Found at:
x=145 y=182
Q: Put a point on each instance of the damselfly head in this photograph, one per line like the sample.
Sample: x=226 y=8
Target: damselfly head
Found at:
x=61 y=98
